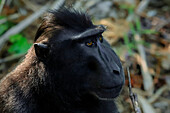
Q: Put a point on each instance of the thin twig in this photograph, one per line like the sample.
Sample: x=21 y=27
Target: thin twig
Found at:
x=57 y=4
x=10 y=58
x=133 y=96
x=140 y=92
x=30 y=5
x=129 y=79
x=142 y=6
x=147 y=79
x=145 y=105
x=2 y=5
x=157 y=94
x=11 y=17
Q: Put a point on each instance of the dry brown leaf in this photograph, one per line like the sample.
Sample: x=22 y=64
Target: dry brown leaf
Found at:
x=115 y=29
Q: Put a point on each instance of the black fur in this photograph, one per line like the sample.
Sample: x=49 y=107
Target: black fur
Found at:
x=67 y=18
x=63 y=74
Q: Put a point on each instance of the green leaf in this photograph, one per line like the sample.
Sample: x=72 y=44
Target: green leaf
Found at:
x=144 y=43
x=127 y=43
x=15 y=38
x=19 y=44
x=5 y=26
x=1 y=17
x=148 y=31
x=131 y=10
x=123 y=6
x=132 y=28
x=138 y=25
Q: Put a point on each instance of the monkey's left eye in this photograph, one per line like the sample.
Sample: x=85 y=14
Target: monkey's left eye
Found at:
x=89 y=43
x=101 y=39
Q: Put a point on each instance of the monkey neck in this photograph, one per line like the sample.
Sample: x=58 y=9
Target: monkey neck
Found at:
x=67 y=103
x=104 y=107
x=99 y=107
x=88 y=105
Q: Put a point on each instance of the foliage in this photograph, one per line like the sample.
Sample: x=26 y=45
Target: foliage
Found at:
x=19 y=44
x=129 y=8
x=5 y=26
x=136 y=28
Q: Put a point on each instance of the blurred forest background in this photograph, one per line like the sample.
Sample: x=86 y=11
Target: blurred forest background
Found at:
x=138 y=30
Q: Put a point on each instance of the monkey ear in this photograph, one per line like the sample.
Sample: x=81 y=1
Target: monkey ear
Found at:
x=41 y=51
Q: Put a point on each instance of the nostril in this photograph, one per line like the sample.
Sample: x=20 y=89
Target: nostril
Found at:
x=116 y=72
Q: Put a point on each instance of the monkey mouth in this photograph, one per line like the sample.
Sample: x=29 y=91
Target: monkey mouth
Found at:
x=109 y=87
x=107 y=93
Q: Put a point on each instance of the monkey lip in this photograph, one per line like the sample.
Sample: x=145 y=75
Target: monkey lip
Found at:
x=108 y=92
x=109 y=88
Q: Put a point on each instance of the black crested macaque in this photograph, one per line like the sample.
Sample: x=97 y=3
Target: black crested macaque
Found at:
x=69 y=69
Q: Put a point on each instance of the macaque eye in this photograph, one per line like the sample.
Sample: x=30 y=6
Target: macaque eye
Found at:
x=101 y=39
x=89 y=43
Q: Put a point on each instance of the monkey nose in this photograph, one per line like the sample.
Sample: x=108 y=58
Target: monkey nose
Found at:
x=115 y=69
x=115 y=72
